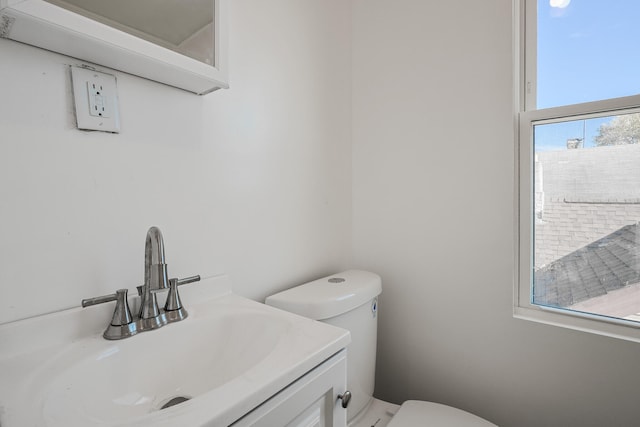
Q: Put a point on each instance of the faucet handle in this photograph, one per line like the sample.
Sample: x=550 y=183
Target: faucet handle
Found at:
x=173 y=297
x=121 y=325
x=186 y=280
x=121 y=314
x=179 y=282
x=98 y=300
x=173 y=308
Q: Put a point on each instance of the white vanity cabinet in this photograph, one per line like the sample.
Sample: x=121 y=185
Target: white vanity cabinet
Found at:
x=310 y=401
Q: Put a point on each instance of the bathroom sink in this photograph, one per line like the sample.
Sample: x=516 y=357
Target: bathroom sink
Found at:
x=139 y=376
x=226 y=358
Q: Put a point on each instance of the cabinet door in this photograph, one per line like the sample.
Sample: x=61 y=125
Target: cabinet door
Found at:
x=311 y=401
x=314 y=416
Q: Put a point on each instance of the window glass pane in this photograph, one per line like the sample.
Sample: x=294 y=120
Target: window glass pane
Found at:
x=587 y=213
x=587 y=50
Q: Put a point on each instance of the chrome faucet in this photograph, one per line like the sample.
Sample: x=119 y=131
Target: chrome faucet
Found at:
x=155 y=279
x=150 y=316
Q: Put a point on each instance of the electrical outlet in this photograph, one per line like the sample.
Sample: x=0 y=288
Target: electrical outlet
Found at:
x=96 y=99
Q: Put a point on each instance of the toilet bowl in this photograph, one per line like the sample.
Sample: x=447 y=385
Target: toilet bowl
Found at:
x=350 y=300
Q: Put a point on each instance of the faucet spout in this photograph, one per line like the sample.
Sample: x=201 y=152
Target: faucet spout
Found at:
x=155 y=268
x=155 y=278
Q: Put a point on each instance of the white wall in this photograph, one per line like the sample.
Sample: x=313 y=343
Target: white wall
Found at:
x=433 y=214
x=251 y=181
x=254 y=181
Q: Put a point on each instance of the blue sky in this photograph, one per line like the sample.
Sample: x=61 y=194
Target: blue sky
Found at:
x=587 y=50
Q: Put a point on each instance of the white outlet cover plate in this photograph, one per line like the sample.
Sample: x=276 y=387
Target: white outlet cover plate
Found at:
x=96 y=98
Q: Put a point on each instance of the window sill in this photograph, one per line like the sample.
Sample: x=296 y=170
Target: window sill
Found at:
x=584 y=322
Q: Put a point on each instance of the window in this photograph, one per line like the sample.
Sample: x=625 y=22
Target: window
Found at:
x=579 y=166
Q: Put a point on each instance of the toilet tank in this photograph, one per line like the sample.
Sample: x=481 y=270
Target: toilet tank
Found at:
x=348 y=300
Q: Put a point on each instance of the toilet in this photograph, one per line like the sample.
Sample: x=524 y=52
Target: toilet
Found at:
x=349 y=300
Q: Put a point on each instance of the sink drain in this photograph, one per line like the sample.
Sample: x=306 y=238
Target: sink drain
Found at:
x=175 y=401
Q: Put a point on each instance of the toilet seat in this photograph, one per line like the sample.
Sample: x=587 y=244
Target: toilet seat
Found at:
x=415 y=413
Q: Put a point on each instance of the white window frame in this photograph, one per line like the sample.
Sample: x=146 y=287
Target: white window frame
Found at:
x=525 y=21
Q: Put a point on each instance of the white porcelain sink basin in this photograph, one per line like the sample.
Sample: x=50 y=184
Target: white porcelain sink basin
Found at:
x=129 y=378
x=227 y=357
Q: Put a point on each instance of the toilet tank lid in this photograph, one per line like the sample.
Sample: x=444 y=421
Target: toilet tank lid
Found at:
x=330 y=296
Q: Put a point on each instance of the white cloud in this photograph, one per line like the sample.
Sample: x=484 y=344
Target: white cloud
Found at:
x=561 y=4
